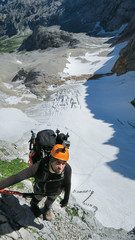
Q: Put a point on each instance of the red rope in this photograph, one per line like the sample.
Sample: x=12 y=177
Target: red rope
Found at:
x=3 y=191
x=25 y=195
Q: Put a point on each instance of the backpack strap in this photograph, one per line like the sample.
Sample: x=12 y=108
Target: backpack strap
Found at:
x=43 y=170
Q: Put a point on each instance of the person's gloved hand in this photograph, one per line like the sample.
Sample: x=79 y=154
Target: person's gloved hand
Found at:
x=63 y=203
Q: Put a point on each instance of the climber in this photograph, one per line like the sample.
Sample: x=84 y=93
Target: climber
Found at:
x=52 y=175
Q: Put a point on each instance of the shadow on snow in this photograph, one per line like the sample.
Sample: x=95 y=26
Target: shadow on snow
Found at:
x=102 y=104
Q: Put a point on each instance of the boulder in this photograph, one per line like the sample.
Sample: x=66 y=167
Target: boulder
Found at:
x=43 y=38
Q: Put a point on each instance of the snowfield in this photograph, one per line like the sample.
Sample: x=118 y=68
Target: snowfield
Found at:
x=98 y=116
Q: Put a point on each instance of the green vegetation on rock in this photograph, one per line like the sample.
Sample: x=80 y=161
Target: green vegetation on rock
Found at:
x=71 y=211
x=4 y=151
x=9 y=168
x=8 y=45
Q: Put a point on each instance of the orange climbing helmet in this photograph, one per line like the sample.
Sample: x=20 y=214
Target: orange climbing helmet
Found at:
x=60 y=152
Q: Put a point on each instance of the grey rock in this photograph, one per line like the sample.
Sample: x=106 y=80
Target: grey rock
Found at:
x=9 y=152
x=126 y=61
x=43 y=38
x=32 y=77
x=64 y=224
x=128 y=31
x=37 y=81
x=21 y=75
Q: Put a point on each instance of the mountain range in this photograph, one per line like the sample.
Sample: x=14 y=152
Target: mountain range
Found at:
x=91 y=17
x=73 y=16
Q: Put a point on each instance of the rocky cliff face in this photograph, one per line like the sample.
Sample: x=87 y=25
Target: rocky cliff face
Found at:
x=126 y=61
x=75 y=16
x=84 y=15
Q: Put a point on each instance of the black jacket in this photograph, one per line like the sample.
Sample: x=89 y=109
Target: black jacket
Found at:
x=49 y=183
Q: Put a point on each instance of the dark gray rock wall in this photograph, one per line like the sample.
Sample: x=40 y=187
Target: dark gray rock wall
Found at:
x=84 y=14
x=126 y=60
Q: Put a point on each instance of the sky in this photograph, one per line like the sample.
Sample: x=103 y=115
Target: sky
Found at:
x=98 y=116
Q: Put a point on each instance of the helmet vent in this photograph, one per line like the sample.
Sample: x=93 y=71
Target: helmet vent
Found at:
x=63 y=150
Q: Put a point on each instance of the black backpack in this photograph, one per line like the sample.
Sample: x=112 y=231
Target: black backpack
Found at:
x=41 y=144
